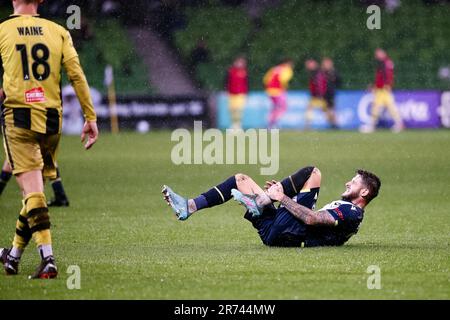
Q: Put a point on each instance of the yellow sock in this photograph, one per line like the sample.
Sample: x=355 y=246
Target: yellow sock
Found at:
x=38 y=218
x=43 y=237
x=23 y=233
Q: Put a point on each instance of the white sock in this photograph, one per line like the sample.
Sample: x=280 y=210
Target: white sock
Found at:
x=45 y=250
x=16 y=252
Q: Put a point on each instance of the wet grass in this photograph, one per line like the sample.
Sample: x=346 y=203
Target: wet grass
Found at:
x=129 y=246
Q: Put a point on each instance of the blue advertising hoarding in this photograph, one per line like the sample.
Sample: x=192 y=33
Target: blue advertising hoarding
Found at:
x=419 y=109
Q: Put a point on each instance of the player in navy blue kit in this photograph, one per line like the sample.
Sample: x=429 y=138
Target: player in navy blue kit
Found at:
x=295 y=223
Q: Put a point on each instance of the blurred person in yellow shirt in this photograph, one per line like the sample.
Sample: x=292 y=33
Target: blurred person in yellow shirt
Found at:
x=276 y=82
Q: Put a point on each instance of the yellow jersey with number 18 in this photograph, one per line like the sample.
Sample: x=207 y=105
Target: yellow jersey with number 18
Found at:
x=33 y=50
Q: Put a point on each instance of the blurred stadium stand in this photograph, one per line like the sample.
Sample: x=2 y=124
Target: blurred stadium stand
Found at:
x=415 y=34
x=100 y=42
x=110 y=44
x=224 y=30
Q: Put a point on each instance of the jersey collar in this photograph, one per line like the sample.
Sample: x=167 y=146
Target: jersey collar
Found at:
x=24 y=15
x=352 y=204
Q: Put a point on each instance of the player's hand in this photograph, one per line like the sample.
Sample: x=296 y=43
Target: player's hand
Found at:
x=269 y=184
x=275 y=192
x=90 y=131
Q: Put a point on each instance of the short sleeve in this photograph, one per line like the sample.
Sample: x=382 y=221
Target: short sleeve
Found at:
x=69 y=50
x=344 y=214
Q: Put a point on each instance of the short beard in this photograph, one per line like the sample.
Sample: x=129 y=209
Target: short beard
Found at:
x=349 y=198
x=345 y=198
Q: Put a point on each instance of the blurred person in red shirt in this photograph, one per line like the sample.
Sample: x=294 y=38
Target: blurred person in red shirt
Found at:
x=333 y=82
x=237 y=88
x=317 y=89
x=382 y=91
x=276 y=82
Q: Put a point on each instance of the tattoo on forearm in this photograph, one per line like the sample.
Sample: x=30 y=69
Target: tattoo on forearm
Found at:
x=307 y=215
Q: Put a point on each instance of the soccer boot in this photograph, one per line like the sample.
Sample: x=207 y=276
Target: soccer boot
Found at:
x=46 y=270
x=178 y=204
x=58 y=202
x=10 y=264
x=248 y=201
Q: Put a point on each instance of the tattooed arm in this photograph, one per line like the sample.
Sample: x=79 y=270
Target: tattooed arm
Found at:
x=307 y=215
x=302 y=213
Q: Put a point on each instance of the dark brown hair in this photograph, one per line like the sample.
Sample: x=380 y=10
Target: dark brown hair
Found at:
x=31 y=1
x=372 y=183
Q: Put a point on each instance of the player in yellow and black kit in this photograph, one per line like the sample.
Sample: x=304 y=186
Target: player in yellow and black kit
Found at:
x=32 y=52
x=60 y=198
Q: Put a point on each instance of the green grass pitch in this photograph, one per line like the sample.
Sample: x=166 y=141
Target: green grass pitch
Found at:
x=128 y=244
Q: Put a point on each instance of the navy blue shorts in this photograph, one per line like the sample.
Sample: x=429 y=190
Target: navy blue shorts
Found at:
x=278 y=227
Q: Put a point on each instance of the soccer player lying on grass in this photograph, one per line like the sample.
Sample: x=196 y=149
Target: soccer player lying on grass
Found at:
x=294 y=223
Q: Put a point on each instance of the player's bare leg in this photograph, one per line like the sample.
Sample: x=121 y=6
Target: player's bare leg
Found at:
x=30 y=182
x=376 y=111
x=236 y=115
x=247 y=185
x=309 y=116
x=60 y=198
x=393 y=111
x=331 y=116
x=314 y=180
x=250 y=194
x=255 y=199
x=236 y=107
x=279 y=107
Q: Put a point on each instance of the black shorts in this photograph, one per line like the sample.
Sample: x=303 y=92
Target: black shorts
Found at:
x=329 y=98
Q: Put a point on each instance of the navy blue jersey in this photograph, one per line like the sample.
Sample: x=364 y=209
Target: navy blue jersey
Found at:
x=278 y=227
x=347 y=217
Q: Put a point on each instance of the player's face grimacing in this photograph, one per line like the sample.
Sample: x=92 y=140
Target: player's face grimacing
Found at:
x=354 y=189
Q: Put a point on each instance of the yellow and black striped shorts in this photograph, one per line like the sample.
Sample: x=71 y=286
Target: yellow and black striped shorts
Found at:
x=27 y=150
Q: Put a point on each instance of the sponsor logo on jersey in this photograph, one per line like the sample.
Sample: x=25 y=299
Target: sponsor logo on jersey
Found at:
x=35 y=95
x=339 y=213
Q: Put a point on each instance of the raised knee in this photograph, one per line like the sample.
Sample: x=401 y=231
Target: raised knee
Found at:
x=241 y=177
x=314 y=180
x=317 y=172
